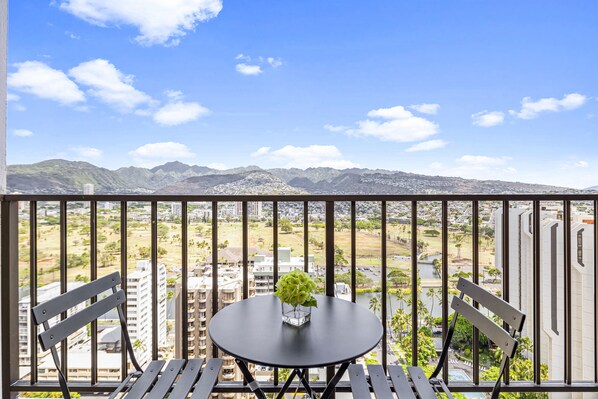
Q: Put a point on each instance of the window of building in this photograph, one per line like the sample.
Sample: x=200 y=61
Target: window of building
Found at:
x=580 y=247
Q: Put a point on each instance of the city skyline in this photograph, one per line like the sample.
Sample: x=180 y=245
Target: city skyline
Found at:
x=489 y=92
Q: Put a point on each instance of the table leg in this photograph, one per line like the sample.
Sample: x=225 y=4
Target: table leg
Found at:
x=337 y=377
x=287 y=383
x=305 y=383
x=253 y=385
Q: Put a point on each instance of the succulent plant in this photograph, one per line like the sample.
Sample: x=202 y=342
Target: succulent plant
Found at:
x=296 y=288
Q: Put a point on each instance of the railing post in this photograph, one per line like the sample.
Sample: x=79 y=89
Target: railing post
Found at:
x=9 y=285
x=330 y=266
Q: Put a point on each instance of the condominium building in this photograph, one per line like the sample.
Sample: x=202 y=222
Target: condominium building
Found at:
x=263 y=268
x=88 y=189
x=254 y=209
x=44 y=293
x=198 y=306
x=552 y=288
x=139 y=308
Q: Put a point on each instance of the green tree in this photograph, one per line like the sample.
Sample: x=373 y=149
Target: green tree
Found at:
x=375 y=304
x=285 y=225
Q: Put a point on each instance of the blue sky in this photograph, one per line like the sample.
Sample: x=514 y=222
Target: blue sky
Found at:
x=489 y=90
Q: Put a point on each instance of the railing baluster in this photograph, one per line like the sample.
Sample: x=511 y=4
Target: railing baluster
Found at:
x=63 y=283
x=567 y=286
x=275 y=260
x=184 y=279
x=306 y=236
x=33 y=287
x=536 y=292
x=93 y=274
x=383 y=273
x=506 y=212
x=414 y=318
x=214 y=267
x=330 y=266
x=124 y=276
x=444 y=277
x=475 y=236
x=245 y=245
x=154 y=260
x=353 y=254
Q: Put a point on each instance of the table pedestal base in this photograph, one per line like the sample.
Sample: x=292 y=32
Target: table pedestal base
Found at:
x=302 y=374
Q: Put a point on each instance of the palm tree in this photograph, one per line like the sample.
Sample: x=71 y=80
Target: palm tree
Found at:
x=458 y=243
x=375 y=304
x=432 y=295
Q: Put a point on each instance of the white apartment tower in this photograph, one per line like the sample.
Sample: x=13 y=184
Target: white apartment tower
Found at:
x=88 y=189
x=139 y=308
x=552 y=287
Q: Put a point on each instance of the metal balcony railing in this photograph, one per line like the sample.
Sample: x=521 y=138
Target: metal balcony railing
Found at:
x=9 y=277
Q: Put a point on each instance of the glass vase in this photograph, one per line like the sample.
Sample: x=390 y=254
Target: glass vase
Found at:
x=295 y=316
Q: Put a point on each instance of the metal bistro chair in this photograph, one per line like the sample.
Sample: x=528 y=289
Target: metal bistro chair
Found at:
x=153 y=381
x=417 y=383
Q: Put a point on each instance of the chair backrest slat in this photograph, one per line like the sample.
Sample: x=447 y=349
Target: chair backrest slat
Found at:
x=55 y=306
x=66 y=327
x=359 y=384
x=493 y=331
x=511 y=315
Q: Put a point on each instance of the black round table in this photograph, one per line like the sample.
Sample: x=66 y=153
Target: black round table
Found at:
x=252 y=331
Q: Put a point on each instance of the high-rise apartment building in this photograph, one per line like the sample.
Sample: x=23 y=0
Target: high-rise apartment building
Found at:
x=44 y=293
x=88 y=189
x=139 y=308
x=552 y=288
x=263 y=268
x=198 y=306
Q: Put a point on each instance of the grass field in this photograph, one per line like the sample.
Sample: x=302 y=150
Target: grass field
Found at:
x=78 y=237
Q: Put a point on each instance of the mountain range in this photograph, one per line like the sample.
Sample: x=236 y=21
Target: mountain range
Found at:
x=59 y=176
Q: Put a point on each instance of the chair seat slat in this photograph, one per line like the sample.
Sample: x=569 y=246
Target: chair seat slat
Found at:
x=379 y=382
x=400 y=382
x=208 y=379
x=359 y=384
x=166 y=380
x=421 y=383
x=187 y=379
x=147 y=379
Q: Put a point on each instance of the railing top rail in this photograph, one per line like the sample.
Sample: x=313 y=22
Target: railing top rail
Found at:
x=303 y=197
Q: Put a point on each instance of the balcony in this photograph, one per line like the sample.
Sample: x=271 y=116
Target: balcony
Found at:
x=536 y=251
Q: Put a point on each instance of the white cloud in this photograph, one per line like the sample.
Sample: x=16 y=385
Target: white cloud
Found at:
x=159 y=21
x=72 y=35
x=397 y=125
x=427 y=145
x=176 y=95
x=430 y=109
x=178 y=112
x=274 y=62
x=482 y=160
x=87 y=152
x=488 y=119
x=39 y=79
x=291 y=156
x=12 y=97
x=260 y=151
x=581 y=164
x=335 y=128
x=110 y=85
x=155 y=153
x=246 y=69
x=530 y=109
x=23 y=133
